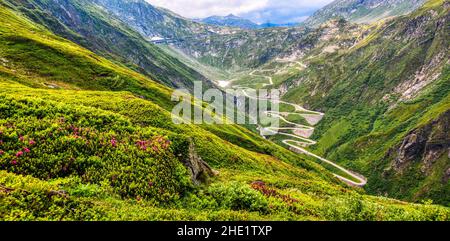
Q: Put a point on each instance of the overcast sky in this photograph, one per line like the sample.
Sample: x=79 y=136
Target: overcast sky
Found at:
x=259 y=11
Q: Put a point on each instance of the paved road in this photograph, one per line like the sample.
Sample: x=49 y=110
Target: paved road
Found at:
x=300 y=134
x=264 y=76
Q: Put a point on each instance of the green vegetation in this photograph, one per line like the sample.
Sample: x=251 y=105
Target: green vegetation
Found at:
x=106 y=166
x=90 y=26
x=84 y=137
x=368 y=114
x=208 y=71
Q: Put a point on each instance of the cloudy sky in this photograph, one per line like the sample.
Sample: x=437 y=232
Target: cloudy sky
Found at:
x=259 y=11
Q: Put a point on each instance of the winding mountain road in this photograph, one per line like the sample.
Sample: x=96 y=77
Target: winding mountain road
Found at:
x=264 y=76
x=299 y=138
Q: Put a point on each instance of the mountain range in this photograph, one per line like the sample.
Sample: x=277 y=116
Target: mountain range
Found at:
x=230 y=21
x=238 y=22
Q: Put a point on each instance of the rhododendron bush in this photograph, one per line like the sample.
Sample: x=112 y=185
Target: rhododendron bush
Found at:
x=49 y=140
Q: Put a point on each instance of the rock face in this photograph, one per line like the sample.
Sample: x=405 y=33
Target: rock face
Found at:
x=199 y=170
x=151 y=21
x=412 y=147
x=424 y=145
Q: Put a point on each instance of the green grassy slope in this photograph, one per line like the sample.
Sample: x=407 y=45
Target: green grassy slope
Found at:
x=364 y=93
x=91 y=159
x=210 y=72
x=88 y=25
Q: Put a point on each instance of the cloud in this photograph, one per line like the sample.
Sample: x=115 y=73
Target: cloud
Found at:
x=275 y=11
x=205 y=8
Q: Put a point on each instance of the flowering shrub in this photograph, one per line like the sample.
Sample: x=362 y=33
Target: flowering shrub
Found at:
x=269 y=192
x=48 y=141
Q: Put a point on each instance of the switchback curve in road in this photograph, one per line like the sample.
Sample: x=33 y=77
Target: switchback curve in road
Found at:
x=300 y=137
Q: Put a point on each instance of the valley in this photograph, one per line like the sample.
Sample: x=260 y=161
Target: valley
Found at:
x=313 y=85
x=87 y=133
x=301 y=133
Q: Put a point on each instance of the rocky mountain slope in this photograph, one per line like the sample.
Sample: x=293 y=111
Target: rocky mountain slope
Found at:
x=90 y=26
x=152 y=22
x=387 y=103
x=214 y=45
x=362 y=11
x=252 y=49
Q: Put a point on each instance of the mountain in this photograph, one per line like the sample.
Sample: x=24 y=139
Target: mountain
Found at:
x=238 y=22
x=277 y=25
x=207 y=43
x=161 y=25
x=253 y=48
x=387 y=105
x=383 y=88
x=362 y=11
x=152 y=22
x=230 y=21
x=90 y=26
x=87 y=137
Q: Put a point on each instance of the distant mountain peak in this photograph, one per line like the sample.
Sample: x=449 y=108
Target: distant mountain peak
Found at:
x=230 y=20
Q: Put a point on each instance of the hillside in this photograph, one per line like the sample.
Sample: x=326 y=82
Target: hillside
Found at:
x=86 y=138
x=249 y=50
x=206 y=43
x=386 y=101
x=152 y=21
x=90 y=26
x=366 y=11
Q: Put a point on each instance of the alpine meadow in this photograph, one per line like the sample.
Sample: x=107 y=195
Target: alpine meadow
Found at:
x=87 y=130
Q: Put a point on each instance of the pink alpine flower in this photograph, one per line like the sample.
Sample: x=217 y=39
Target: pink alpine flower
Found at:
x=26 y=150
x=142 y=145
x=14 y=162
x=32 y=142
x=114 y=142
x=2 y=152
x=19 y=154
x=155 y=148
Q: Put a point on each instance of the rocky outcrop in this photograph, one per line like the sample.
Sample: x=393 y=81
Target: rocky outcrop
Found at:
x=447 y=174
x=286 y=86
x=199 y=170
x=425 y=144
